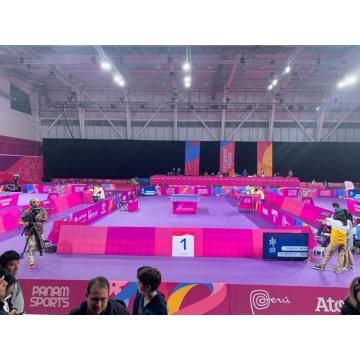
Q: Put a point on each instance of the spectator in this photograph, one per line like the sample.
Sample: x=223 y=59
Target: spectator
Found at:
x=149 y=301
x=262 y=172
x=98 y=302
x=352 y=302
x=212 y=174
x=290 y=173
x=206 y=174
x=173 y=172
x=339 y=229
x=178 y=172
x=3 y=285
x=10 y=262
x=348 y=259
x=244 y=173
x=11 y=281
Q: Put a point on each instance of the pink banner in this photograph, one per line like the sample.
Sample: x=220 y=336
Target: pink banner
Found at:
x=285 y=300
x=59 y=297
x=326 y=193
x=290 y=192
x=227 y=157
x=353 y=206
x=9 y=200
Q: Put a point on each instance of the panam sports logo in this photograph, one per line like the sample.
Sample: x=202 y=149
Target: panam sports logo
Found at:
x=50 y=296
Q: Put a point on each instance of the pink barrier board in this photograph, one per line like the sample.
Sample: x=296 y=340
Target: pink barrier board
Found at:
x=326 y=193
x=290 y=192
x=9 y=200
x=84 y=216
x=158 y=241
x=305 y=212
x=184 y=207
x=58 y=297
x=224 y=181
x=353 y=206
x=307 y=200
x=9 y=218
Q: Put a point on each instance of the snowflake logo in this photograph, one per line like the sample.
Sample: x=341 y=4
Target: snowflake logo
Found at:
x=272 y=242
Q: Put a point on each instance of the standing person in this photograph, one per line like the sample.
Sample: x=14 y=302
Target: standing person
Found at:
x=149 y=301
x=349 y=259
x=339 y=229
x=33 y=220
x=352 y=302
x=97 y=300
x=336 y=207
x=10 y=262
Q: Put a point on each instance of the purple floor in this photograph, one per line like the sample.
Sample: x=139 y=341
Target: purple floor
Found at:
x=213 y=212
x=222 y=270
x=156 y=211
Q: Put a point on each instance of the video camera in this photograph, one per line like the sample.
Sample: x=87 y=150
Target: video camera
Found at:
x=32 y=215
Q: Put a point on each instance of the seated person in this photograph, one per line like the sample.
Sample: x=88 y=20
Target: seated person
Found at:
x=262 y=172
x=212 y=174
x=290 y=173
x=148 y=300
x=133 y=181
x=96 y=193
x=206 y=174
x=178 y=172
x=98 y=302
x=258 y=191
x=244 y=173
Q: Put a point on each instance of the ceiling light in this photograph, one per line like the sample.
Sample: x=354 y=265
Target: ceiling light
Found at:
x=270 y=87
x=317 y=108
x=186 y=66
x=119 y=80
x=105 y=66
x=274 y=82
x=341 y=84
x=287 y=70
x=351 y=80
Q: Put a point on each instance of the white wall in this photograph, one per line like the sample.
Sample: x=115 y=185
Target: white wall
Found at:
x=14 y=123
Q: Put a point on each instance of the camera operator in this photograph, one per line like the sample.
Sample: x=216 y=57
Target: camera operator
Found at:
x=33 y=220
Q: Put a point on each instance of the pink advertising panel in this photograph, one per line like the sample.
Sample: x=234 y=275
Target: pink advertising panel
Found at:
x=9 y=200
x=353 y=206
x=59 y=297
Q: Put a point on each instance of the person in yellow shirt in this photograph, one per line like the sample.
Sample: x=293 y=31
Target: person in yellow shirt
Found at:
x=338 y=238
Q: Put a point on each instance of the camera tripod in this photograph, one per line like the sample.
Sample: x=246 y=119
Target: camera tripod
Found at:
x=39 y=242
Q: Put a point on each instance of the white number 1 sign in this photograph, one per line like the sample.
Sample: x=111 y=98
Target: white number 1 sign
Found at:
x=183 y=245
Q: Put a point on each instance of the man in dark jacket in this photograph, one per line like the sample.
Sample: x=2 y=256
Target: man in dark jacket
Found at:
x=98 y=302
x=148 y=300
